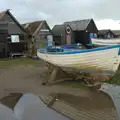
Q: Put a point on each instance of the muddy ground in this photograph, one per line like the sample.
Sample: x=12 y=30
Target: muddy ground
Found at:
x=28 y=78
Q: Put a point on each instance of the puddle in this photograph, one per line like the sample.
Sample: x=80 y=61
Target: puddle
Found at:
x=114 y=92
x=92 y=103
x=28 y=107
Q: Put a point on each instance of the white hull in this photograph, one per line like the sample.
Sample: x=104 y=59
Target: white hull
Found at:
x=104 y=61
x=105 y=42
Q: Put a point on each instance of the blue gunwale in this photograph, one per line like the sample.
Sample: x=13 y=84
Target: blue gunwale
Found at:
x=81 y=51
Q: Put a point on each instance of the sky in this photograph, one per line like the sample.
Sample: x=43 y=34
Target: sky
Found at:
x=105 y=12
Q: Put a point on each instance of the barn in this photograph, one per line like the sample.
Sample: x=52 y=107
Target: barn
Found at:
x=12 y=35
x=75 y=32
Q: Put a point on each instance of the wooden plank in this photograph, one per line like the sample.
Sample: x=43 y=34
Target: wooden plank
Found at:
x=53 y=76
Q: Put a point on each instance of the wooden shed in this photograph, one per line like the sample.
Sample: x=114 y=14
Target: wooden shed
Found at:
x=105 y=34
x=12 y=35
x=40 y=33
x=75 y=32
x=116 y=33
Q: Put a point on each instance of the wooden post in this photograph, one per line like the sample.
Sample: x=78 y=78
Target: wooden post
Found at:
x=53 y=76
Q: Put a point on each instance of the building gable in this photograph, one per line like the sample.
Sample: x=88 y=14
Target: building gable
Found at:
x=6 y=18
x=13 y=25
x=82 y=25
x=45 y=26
x=43 y=29
x=92 y=28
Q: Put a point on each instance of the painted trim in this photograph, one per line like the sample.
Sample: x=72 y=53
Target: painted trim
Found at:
x=81 y=51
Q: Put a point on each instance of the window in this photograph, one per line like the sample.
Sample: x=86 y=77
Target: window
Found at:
x=15 y=38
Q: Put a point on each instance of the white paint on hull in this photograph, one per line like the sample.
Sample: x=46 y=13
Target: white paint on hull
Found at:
x=105 y=42
x=103 y=60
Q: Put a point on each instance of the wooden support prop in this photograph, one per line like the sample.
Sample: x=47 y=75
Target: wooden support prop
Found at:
x=57 y=74
x=53 y=76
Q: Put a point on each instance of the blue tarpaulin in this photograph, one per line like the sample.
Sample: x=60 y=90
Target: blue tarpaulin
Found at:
x=91 y=35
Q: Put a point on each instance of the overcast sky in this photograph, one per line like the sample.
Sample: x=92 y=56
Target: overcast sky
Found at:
x=106 y=13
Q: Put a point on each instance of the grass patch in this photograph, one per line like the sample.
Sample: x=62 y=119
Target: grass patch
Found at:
x=18 y=61
x=74 y=84
x=115 y=79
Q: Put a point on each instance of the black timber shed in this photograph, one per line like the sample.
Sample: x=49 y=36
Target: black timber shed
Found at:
x=116 y=33
x=10 y=27
x=74 y=32
x=105 y=34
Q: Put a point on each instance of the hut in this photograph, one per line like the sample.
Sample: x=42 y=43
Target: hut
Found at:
x=12 y=35
x=40 y=35
x=75 y=32
x=105 y=34
x=59 y=34
x=116 y=33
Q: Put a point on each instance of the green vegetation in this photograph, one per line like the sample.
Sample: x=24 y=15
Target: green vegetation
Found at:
x=115 y=79
x=20 y=61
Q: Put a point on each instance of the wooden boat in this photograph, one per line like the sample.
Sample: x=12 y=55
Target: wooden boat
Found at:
x=102 y=60
x=105 y=42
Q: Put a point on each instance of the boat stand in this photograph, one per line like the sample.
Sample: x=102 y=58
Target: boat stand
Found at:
x=56 y=75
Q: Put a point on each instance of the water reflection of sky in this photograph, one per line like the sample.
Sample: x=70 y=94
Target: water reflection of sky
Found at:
x=114 y=92
x=30 y=107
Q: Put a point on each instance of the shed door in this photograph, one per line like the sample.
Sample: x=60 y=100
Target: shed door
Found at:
x=68 y=39
x=50 y=40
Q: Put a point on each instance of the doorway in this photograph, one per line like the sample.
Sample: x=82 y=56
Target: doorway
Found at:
x=82 y=37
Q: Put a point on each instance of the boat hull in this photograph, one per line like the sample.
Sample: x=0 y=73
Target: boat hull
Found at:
x=105 y=42
x=104 y=61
